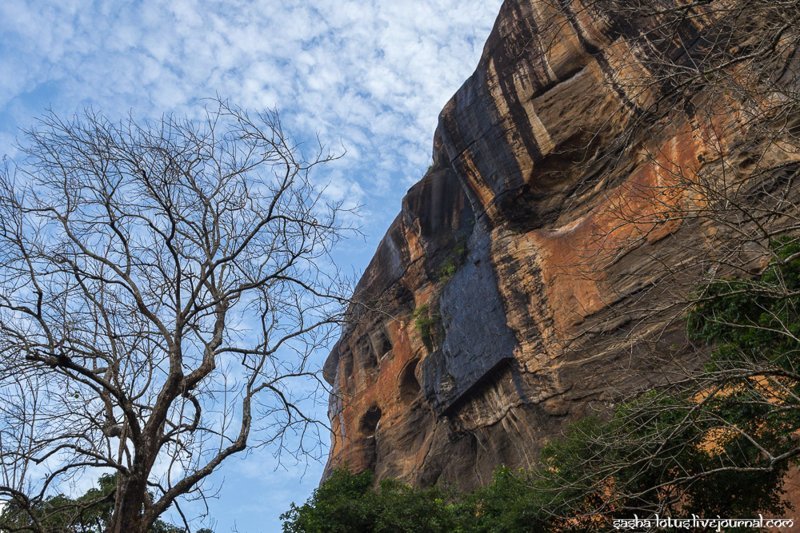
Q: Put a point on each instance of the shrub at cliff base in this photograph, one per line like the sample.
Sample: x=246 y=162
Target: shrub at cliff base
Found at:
x=346 y=502
x=718 y=442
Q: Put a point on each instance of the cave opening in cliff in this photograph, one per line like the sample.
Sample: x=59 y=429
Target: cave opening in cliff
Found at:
x=373 y=347
x=347 y=357
x=369 y=422
x=369 y=427
x=409 y=385
x=381 y=344
x=369 y=357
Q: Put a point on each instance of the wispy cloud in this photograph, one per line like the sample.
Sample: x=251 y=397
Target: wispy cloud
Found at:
x=371 y=74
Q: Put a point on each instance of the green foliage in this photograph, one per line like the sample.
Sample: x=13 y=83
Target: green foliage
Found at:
x=426 y=322
x=753 y=326
x=89 y=513
x=455 y=258
x=340 y=504
x=592 y=475
x=656 y=454
x=511 y=502
x=346 y=502
x=447 y=270
x=753 y=320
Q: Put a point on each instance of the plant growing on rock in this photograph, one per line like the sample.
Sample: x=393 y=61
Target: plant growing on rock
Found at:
x=426 y=322
x=455 y=258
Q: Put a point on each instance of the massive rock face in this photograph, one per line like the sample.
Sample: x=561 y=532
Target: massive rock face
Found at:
x=534 y=274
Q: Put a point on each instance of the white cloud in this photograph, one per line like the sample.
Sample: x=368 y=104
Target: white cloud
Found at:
x=373 y=74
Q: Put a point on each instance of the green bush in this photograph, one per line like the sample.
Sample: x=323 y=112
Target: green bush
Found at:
x=447 y=270
x=346 y=502
x=426 y=322
x=753 y=320
x=455 y=258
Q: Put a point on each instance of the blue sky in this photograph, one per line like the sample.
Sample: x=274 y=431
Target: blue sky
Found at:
x=370 y=76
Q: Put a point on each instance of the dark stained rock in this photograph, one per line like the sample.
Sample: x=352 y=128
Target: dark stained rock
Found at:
x=475 y=336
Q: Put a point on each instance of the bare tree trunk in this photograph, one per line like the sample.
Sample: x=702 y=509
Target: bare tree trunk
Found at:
x=128 y=517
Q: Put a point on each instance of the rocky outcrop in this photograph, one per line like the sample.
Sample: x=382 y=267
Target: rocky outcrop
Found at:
x=535 y=272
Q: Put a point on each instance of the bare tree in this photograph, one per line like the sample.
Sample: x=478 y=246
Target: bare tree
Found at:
x=162 y=288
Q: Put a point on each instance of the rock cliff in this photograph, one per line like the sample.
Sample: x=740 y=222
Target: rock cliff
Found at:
x=537 y=271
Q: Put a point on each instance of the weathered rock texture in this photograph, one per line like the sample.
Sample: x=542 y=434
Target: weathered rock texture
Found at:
x=523 y=282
